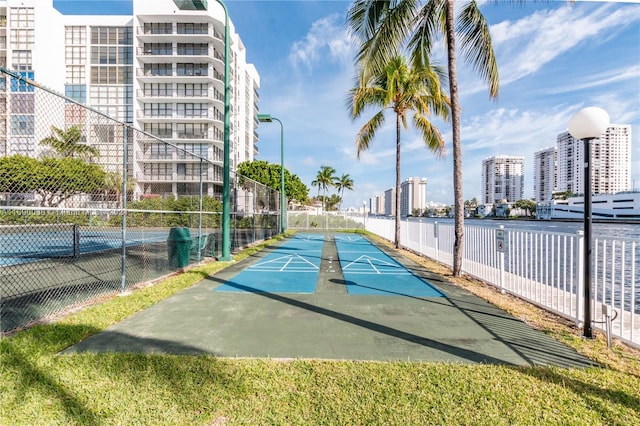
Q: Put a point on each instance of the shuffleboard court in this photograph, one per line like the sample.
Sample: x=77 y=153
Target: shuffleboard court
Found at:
x=291 y=268
x=368 y=270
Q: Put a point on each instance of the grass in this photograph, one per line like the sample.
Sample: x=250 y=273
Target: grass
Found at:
x=38 y=387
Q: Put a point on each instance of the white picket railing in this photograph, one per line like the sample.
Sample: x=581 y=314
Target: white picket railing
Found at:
x=541 y=267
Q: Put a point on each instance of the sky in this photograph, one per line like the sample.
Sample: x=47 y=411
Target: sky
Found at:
x=554 y=58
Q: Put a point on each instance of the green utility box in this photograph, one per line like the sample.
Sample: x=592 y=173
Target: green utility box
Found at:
x=179 y=245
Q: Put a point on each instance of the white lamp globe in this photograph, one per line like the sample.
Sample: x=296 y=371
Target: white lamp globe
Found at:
x=589 y=122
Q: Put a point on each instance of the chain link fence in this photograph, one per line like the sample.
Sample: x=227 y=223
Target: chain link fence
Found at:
x=90 y=206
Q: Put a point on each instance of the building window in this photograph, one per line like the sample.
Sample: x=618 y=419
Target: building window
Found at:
x=77 y=92
x=75 y=35
x=158 y=49
x=193 y=49
x=192 y=110
x=191 y=69
x=75 y=55
x=22 y=125
x=112 y=35
x=158 y=89
x=21 y=38
x=158 y=110
x=21 y=86
x=158 y=69
x=75 y=74
x=158 y=28
x=21 y=60
x=193 y=90
x=193 y=28
x=160 y=130
x=21 y=17
x=192 y=130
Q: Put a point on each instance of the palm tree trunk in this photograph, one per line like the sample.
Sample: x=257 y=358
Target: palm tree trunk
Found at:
x=397 y=233
x=457 y=148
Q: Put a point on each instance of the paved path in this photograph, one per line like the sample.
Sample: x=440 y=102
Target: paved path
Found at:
x=330 y=323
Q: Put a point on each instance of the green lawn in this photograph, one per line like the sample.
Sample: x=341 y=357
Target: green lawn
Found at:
x=38 y=387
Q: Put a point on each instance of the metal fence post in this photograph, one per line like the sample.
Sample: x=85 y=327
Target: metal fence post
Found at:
x=501 y=247
x=580 y=276
x=435 y=234
x=123 y=264
x=200 y=216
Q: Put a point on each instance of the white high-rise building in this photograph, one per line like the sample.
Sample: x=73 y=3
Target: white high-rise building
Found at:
x=544 y=174
x=390 y=202
x=610 y=161
x=413 y=196
x=502 y=179
x=160 y=68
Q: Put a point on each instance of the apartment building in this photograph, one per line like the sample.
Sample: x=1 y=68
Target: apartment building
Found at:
x=544 y=174
x=610 y=161
x=413 y=196
x=160 y=68
x=502 y=179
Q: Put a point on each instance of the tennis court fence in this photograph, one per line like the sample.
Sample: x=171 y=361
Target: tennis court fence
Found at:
x=91 y=206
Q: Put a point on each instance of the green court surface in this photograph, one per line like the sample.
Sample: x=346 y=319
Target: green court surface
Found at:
x=294 y=300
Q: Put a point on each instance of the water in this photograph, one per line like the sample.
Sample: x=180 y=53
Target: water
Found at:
x=599 y=230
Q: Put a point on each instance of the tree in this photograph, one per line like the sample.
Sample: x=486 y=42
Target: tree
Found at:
x=385 y=25
x=54 y=180
x=67 y=143
x=342 y=183
x=269 y=175
x=527 y=205
x=324 y=180
x=401 y=89
x=332 y=201
x=113 y=186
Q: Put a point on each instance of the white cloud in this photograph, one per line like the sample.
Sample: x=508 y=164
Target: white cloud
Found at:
x=327 y=40
x=597 y=80
x=526 y=45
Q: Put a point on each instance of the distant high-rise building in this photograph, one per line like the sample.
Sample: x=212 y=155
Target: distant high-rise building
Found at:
x=390 y=202
x=413 y=196
x=610 y=161
x=502 y=179
x=544 y=174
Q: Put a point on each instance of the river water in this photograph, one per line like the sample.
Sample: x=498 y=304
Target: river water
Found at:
x=610 y=230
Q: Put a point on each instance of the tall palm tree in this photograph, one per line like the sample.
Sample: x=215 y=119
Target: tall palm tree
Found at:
x=67 y=143
x=384 y=26
x=324 y=180
x=402 y=89
x=342 y=183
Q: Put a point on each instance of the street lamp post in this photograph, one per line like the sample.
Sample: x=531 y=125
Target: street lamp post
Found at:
x=588 y=124
x=267 y=118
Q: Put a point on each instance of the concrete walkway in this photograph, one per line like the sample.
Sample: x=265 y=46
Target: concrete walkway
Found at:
x=331 y=324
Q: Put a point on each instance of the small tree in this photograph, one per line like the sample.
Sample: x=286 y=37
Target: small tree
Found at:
x=67 y=143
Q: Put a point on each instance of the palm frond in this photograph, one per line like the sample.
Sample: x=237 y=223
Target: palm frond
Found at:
x=476 y=45
x=390 y=27
x=368 y=132
x=430 y=134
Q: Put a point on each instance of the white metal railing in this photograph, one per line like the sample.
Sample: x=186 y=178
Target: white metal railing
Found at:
x=543 y=268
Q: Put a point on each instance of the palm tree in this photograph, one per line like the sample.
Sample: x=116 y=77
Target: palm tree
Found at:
x=67 y=143
x=342 y=183
x=385 y=25
x=400 y=88
x=324 y=180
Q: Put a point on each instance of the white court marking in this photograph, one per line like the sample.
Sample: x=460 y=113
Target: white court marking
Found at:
x=373 y=265
x=287 y=263
x=349 y=238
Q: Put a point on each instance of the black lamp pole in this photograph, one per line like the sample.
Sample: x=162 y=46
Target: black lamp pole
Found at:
x=587 y=332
